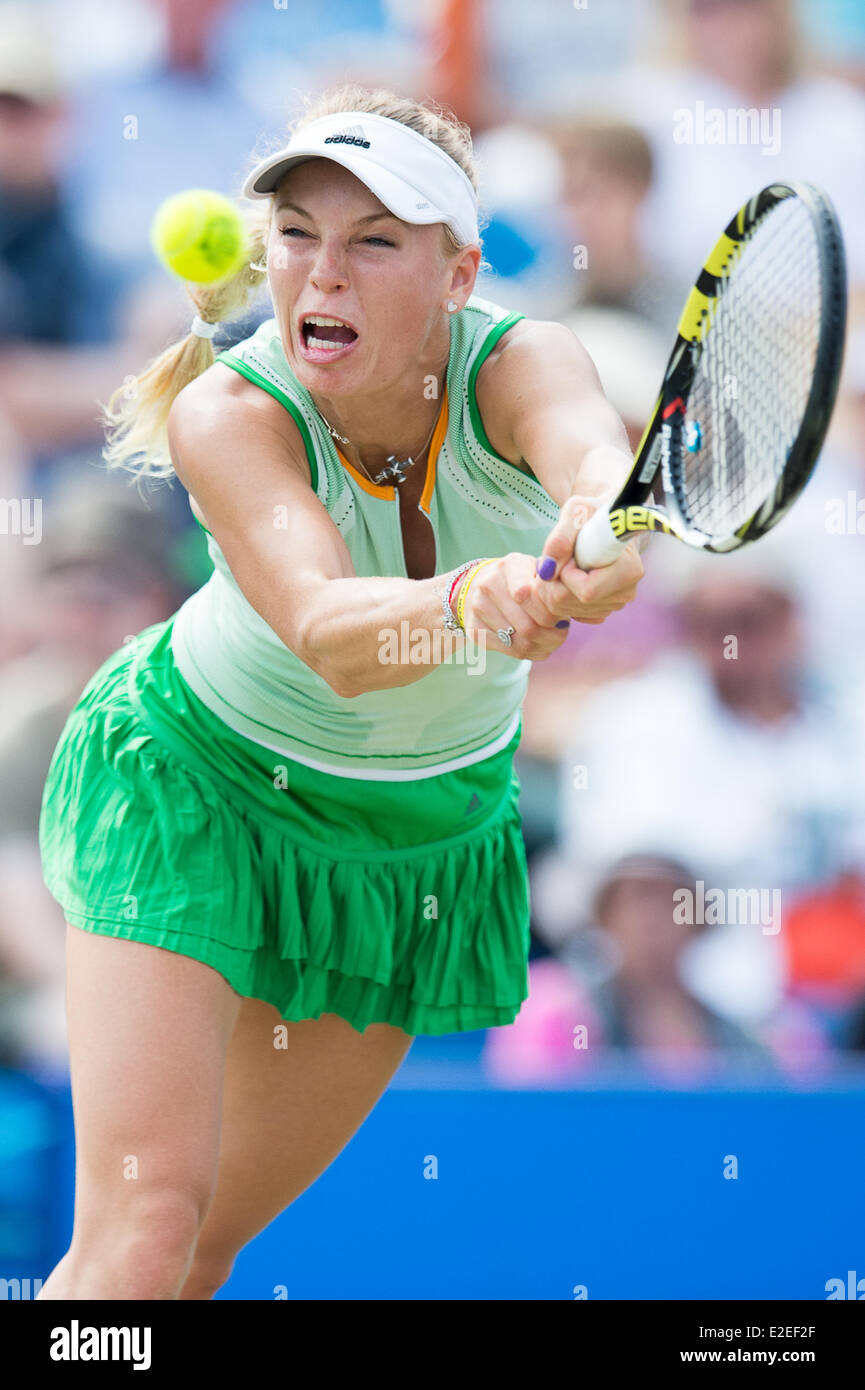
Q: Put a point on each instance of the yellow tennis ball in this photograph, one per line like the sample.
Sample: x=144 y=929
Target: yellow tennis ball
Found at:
x=199 y=235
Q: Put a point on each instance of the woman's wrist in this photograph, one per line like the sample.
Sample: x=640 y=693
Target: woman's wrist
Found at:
x=467 y=581
x=451 y=592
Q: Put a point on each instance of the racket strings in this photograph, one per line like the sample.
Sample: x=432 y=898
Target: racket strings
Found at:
x=754 y=375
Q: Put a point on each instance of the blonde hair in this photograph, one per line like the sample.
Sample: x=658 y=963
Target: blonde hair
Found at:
x=136 y=415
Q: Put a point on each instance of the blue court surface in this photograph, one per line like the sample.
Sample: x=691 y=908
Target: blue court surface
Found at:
x=454 y=1190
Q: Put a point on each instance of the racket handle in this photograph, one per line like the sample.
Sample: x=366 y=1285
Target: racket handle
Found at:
x=596 y=544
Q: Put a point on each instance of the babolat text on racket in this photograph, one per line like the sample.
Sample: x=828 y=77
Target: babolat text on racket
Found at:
x=749 y=389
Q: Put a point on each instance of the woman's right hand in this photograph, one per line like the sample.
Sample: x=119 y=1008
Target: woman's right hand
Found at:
x=502 y=595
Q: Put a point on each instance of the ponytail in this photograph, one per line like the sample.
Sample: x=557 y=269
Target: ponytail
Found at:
x=136 y=416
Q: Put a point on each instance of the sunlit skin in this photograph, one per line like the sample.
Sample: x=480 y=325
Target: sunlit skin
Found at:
x=229 y=1143
x=335 y=250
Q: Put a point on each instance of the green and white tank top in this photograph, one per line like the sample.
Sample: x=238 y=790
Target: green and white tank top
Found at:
x=477 y=503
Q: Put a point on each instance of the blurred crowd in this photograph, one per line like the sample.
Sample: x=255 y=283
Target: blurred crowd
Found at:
x=693 y=799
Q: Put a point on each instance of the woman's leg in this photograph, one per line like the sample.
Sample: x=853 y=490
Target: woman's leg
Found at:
x=288 y=1112
x=148 y=1033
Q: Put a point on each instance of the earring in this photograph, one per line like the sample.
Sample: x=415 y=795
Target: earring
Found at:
x=452 y=306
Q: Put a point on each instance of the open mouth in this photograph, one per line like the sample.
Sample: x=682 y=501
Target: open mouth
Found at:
x=322 y=334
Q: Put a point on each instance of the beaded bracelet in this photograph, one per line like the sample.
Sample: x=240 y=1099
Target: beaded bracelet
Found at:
x=470 y=578
x=446 y=593
x=455 y=583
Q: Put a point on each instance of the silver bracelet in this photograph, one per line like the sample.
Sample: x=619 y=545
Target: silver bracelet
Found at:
x=449 y=619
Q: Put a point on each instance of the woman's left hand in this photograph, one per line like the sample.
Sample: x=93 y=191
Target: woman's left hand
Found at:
x=586 y=596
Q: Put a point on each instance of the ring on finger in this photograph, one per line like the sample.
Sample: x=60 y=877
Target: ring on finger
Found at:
x=505 y=635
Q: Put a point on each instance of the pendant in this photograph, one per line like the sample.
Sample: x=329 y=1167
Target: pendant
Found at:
x=397 y=471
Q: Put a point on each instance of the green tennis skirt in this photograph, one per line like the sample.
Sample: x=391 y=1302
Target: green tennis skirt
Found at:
x=383 y=902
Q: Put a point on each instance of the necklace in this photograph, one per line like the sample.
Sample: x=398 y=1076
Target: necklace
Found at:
x=397 y=469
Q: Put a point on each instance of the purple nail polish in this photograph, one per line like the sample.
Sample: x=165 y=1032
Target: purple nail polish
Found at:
x=565 y=622
x=546 y=567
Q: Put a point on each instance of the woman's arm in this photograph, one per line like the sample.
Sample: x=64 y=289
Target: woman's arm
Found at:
x=239 y=454
x=544 y=408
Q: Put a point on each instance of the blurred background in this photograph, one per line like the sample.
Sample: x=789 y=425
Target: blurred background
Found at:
x=654 y=1043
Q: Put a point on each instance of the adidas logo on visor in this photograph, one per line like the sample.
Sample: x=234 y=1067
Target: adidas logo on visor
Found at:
x=353 y=136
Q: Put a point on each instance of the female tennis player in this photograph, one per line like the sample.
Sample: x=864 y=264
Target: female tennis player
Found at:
x=283 y=823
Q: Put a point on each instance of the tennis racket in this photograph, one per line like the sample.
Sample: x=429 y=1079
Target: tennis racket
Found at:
x=749 y=389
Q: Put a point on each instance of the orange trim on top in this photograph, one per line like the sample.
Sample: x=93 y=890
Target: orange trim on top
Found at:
x=383 y=490
x=432 y=458
x=386 y=490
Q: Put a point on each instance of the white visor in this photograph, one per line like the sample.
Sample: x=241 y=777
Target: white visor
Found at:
x=414 y=179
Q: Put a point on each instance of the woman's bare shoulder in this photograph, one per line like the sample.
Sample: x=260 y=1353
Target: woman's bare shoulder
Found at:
x=221 y=405
x=525 y=343
x=507 y=375
x=221 y=392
